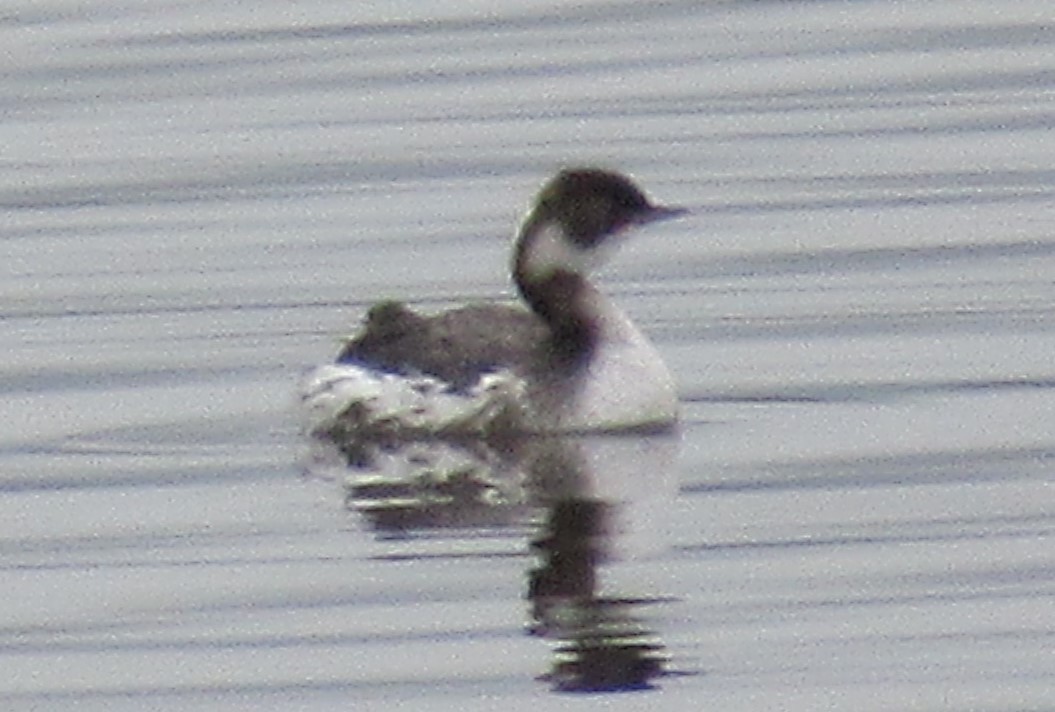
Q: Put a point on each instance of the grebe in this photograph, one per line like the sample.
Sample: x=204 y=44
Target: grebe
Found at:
x=573 y=363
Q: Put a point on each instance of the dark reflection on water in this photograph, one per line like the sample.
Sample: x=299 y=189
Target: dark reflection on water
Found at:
x=604 y=646
x=590 y=501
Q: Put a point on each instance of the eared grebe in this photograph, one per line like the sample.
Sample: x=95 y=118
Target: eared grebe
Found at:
x=573 y=363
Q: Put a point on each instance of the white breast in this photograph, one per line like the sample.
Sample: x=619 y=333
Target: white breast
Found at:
x=628 y=386
x=625 y=386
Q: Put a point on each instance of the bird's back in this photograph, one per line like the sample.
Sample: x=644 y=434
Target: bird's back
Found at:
x=456 y=346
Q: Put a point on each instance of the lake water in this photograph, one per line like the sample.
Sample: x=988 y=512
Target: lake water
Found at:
x=200 y=199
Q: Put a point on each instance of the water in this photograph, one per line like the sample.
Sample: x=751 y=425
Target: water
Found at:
x=199 y=200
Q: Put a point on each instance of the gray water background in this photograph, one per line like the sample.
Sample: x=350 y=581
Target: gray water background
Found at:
x=199 y=199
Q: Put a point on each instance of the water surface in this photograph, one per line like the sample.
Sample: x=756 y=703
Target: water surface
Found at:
x=200 y=200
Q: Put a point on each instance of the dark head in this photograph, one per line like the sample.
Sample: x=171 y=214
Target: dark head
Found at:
x=591 y=204
x=566 y=235
x=573 y=217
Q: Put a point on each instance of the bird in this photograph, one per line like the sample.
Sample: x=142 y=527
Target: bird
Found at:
x=567 y=360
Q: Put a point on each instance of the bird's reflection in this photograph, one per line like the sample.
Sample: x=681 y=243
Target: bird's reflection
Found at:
x=591 y=501
x=603 y=644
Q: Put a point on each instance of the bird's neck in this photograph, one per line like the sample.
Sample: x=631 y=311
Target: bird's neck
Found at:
x=596 y=370
x=549 y=271
x=566 y=302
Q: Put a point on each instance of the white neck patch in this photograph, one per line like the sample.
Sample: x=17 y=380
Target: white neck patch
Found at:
x=548 y=249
